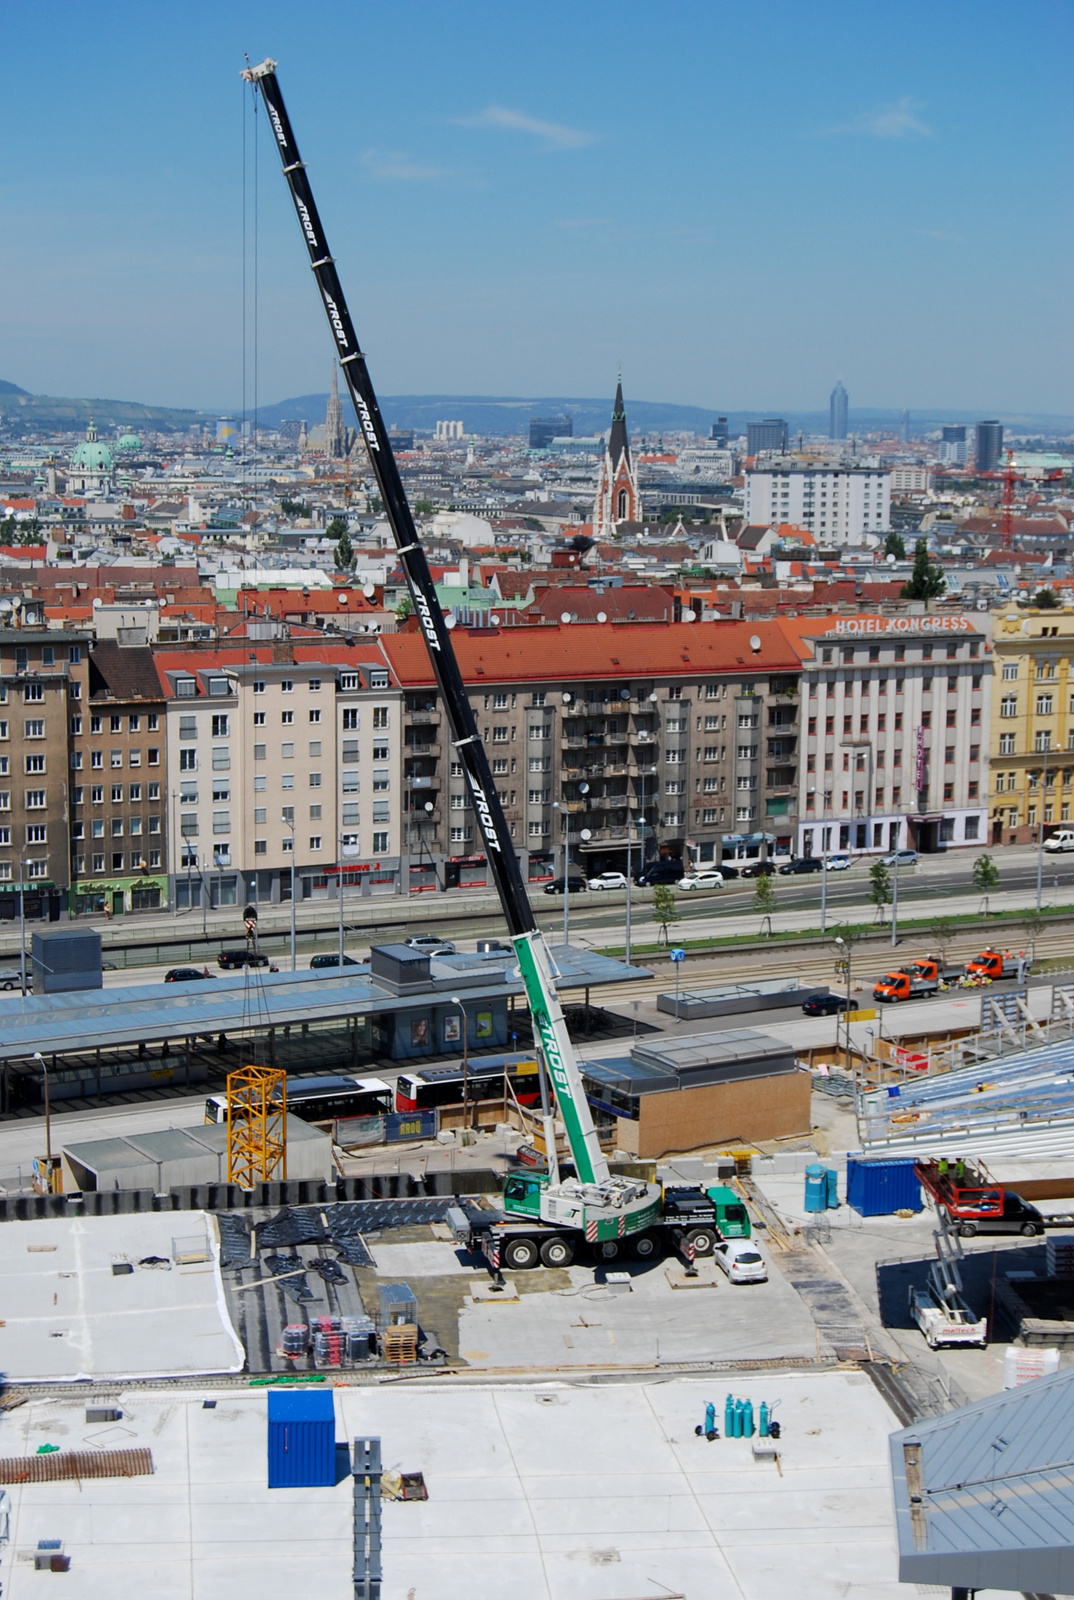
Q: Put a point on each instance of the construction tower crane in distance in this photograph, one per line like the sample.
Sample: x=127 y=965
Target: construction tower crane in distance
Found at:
x=600 y=1206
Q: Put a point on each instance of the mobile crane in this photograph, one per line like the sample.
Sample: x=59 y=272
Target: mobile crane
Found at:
x=592 y=1203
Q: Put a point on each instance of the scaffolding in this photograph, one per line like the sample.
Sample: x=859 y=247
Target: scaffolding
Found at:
x=256 y=1126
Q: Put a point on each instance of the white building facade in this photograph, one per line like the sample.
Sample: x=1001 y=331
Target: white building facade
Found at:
x=895 y=723
x=839 y=505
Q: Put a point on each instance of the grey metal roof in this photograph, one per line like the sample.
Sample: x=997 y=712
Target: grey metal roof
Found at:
x=693 y=1050
x=984 y=1496
x=55 y=1023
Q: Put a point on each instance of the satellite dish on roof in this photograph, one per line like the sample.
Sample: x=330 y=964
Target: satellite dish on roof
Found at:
x=755 y=642
x=564 y=616
x=342 y=597
x=586 y=833
x=890 y=558
x=450 y=619
x=567 y=697
x=602 y=616
x=624 y=694
x=369 y=590
x=689 y=616
x=494 y=618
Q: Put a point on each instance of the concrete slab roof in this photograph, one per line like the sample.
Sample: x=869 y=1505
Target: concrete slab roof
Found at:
x=984 y=1496
x=68 y=1316
x=55 y=1023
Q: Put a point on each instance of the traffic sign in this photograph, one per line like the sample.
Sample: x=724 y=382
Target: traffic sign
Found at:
x=677 y=954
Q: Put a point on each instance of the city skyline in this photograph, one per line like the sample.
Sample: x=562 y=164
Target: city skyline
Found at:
x=499 y=232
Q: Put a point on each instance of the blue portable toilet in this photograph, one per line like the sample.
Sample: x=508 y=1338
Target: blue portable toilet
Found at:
x=301 y=1438
x=831 y=1188
x=816 y=1188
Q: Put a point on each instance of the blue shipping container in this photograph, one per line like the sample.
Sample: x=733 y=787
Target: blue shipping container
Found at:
x=301 y=1438
x=879 y=1188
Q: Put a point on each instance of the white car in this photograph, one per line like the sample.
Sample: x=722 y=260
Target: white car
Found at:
x=839 y=863
x=702 y=880
x=608 y=880
x=430 y=945
x=741 y=1260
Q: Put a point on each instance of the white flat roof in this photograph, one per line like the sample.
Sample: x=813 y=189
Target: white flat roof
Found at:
x=539 y=1491
x=66 y=1315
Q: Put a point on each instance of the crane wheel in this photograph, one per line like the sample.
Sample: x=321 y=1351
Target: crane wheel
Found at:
x=968 y=1230
x=645 y=1247
x=520 y=1254
x=703 y=1241
x=557 y=1252
x=608 y=1250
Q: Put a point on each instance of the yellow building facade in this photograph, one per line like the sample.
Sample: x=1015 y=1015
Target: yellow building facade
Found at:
x=1031 y=778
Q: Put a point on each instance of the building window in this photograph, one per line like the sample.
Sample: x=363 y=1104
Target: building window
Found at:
x=350 y=718
x=220 y=727
x=1008 y=705
x=1042 y=740
x=188 y=760
x=1006 y=744
x=380 y=717
x=380 y=844
x=315 y=841
x=315 y=780
x=287 y=780
x=36 y=799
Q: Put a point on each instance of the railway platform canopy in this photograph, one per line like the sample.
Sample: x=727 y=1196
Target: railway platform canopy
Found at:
x=400 y=1006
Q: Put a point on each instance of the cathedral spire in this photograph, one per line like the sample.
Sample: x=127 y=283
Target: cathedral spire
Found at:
x=335 y=435
x=618 y=498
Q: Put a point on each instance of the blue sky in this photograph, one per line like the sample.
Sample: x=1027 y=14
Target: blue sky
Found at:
x=738 y=203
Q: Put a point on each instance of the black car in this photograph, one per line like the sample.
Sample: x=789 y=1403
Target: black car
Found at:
x=576 y=884
x=826 y=1005
x=186 y=974
x=660 y=872
x=800 y=864
x=726 y=870
x=229 y=959
x=759 y=869
x=333 y=961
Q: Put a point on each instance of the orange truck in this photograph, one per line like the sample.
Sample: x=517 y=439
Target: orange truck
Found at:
x=919 y=979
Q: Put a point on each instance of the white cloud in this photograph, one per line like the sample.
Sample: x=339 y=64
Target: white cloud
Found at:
x=897 y=121
x=554 y=134
x=398 y=167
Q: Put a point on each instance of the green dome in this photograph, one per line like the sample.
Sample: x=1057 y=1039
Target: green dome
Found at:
x=91 y=455
x=128 y=441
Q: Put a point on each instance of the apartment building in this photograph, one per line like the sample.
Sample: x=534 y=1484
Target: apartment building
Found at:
x=671 y=740
x=840 y=505
x=1032 y=740
x=43 y=689
x=896 y=715
x=283 y=762
x=119 y=785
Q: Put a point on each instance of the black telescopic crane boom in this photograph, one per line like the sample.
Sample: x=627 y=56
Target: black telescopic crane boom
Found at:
x=466 y=740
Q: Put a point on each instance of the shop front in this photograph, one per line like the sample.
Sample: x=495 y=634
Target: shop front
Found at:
x=114 y=897
x=41 y=901
x=466 y=872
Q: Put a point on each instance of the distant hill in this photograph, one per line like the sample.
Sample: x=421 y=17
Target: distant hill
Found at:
x=30 y=413
x=491 y=414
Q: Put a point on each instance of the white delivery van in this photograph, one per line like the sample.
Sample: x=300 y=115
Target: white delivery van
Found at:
x=1063 y=840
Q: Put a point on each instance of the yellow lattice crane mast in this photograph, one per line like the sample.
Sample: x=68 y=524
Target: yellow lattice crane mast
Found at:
x=256 y=1125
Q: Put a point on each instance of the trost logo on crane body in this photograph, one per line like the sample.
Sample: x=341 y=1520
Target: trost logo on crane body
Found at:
x=484 y=814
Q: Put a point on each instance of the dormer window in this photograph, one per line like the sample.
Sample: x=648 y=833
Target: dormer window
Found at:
x=186 y=688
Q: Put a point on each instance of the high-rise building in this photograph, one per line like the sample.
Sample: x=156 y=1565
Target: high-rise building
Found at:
x=837 y=413
x=771 y=434
x=718 y=431
x=952 y=444
x=335 y=434
x=989 y=445
x=618 y=498
x=904 y=428
x=544 y=429
x=839 y=505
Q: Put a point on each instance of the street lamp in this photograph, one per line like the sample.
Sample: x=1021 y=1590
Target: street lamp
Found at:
x=465 y=1062
x=845 y=957
x=22 y=928
x=288 y=822
x=48 y=1120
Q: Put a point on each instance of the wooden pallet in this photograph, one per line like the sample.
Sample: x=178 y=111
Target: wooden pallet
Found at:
x=399 y=1344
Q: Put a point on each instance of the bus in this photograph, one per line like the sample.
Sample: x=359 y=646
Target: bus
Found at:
x=442 y=1086
x=322 y=1099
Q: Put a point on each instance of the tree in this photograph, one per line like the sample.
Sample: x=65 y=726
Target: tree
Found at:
x=764 y=895
x=404 y=607
x=423 y=508
x=894 y=546
x=294 y=508
x=985 y=875
x=337 y=529
x=941 y=932
x=664 y=909
x=1033 y=922
x=927 y=579
x=1046 y=600
x=880 y=887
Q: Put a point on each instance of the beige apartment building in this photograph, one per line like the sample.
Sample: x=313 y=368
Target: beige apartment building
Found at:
x=283 y=760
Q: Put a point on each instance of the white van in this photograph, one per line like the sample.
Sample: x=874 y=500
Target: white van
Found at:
x=1063 y=840
x=742 y=1261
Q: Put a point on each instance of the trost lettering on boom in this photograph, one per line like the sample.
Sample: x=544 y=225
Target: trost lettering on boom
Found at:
x=425 y=617
x=336 y=320
x=484 y=816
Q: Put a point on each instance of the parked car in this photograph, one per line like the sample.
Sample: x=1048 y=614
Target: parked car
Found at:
x=727 y=871
x=494 y=947
x=229 y=959
x=577 y=885
x=184 y=974
x=801 y=864
x=759 y=869
x=333 y=961
x=741 y=1260
x=430 y=944
x=905 y=858
x=701 y=880
x=659 y=872
x=608 y=880
x=839 y=863
x=826 y=1005
x=11 y=978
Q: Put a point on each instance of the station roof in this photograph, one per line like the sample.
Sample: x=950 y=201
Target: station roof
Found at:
x=106 y=1018
x=984 y=1496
